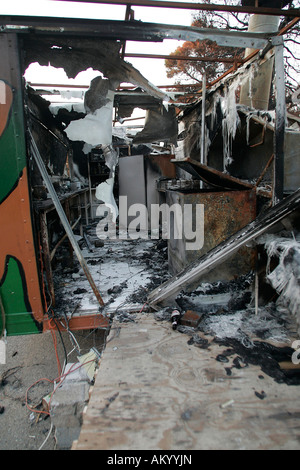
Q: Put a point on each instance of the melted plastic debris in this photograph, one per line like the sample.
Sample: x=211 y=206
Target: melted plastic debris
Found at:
x=285 y=278
x=263 y=340
x=265 y=355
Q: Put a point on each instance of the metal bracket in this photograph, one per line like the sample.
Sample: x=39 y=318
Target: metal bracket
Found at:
x=277 y=40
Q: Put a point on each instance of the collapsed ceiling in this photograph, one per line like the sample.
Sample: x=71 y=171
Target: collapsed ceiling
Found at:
x=75 y=55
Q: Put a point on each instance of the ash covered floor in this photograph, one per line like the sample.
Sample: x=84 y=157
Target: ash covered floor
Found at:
x=124 y=271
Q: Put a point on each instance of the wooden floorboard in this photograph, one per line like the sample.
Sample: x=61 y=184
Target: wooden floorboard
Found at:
x=154 y=391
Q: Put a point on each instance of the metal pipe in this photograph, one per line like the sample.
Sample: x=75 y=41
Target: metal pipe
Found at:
x=280 y=122
x=203 y=120
x=225 y=60
x=255 y=91
x=292 y=12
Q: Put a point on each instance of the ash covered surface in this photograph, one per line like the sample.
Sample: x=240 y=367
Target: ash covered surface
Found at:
x=218 y=297
x=262 y=339
x=124 y=272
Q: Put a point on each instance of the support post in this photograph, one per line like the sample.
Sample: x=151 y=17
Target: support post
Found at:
x=280 y=121
x=203 y=156
x=202 y=144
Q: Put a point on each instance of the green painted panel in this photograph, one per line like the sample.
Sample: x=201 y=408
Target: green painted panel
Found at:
x=15 y=301
x=12 y=144
x=19 y=281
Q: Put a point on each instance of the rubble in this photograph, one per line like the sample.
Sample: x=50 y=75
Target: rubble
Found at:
x=226 y=148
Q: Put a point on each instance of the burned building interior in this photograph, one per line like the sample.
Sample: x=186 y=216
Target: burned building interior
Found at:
x=225 y=292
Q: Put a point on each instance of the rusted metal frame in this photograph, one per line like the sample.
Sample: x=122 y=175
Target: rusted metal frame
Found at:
x=225 y=60
x=79 y=322
x=66 y=207
x=63 y=217
x=57 y=85
x=198 y=6
x=280 y=122
x=129 y=15
x=79 y=208
x=261 y=140
x=46 y=255
x=289 y=26
x=264 y=171
x=195 y=270
x=75 y=206
x=63 y=239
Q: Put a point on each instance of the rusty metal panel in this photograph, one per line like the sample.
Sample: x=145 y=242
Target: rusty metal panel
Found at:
x=225 y=213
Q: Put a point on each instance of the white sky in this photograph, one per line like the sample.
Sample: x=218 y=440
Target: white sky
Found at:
x=152 y=69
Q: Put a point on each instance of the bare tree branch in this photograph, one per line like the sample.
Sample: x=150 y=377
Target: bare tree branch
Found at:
x=291 y=53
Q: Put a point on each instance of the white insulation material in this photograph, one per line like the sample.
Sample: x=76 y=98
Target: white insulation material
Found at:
x=94 y=129
x=285 y=278
x=230 y=121
x=104 y=193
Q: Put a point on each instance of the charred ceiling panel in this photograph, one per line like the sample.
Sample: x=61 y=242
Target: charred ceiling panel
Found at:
x=49 y=136
x=98 y=94
x=160 y=125
x=75 y=55
x=126 y=102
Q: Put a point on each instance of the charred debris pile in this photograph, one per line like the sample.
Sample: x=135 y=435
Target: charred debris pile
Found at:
x=240 y=284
